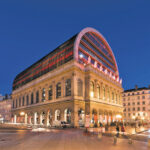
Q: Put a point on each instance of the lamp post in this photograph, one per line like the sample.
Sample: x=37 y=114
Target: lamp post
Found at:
x=133 y=117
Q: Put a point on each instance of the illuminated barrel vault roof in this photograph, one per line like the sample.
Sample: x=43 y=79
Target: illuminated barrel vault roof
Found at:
x=89 y=42
x=87 y=47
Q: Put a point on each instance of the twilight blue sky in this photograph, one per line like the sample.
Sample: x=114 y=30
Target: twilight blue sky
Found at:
x=29 y=29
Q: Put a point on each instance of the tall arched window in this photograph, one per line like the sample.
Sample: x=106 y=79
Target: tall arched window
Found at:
x=23 y=101
x=32 y=98
x=58 y=90
x=68 y=87
x=80 y=87
x=91 y=89
x=112 y=96
x=43 y=94
x=50 y=92
x=108 y=95
x=27 y=100
x=104 y=93
x=116 y=98
x=98 y=91
x=57 y=115
x=37 y=96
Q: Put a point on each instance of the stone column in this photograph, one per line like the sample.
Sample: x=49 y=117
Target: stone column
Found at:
x=41 y=117
x=25 y=120
x=46 y=119
x=74 y=116
x=15 y=118
x=62 y=87
x=54 y=90
x=35 y=120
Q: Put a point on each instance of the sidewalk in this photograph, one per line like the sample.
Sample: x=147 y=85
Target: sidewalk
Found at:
x=129 y=132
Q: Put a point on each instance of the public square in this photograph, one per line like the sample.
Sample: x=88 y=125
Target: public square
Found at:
x=63 y=139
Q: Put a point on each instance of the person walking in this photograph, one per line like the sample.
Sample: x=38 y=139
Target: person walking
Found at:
x=117 y=129
x=122 y=129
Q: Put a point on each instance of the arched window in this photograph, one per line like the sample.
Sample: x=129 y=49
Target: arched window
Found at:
x=116 y=98
x=98 y=91
x=58 y=90
x=57 y=115
x=108 y=95
x=112 y=96
x=43 y=94
x=104 y=93
x=80 y=87
x=67 y=115
x=23 y=101
x=50 y=92
x=68 y=87
x=27 y=100
x=37 y=96
x=91 y=89
x=32 y=98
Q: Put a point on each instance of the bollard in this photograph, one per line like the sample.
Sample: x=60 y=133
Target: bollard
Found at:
x=115 y=140
x=130 y=141
x=99 y=135
x=148 y=142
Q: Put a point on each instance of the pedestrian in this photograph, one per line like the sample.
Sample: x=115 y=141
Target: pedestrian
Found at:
x=117 y=129
x=122 y=129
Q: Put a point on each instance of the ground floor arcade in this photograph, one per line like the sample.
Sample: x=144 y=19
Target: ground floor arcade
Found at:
x=74 y=113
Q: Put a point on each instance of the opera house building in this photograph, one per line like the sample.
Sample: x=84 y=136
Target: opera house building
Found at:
x=76 y=82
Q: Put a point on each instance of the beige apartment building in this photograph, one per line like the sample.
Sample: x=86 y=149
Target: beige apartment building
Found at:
x=76 y=81
x=5 y=109
x=136 y=104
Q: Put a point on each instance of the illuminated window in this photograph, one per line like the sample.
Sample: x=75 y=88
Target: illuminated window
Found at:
x=58 y=90
x=68 y=87
x=43 y=94
x=50 y=92
x=91 y=89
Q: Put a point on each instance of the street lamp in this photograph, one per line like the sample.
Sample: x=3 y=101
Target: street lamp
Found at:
x=22 y=113
x=133 y=117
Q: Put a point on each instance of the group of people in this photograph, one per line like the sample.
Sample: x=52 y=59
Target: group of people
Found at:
x=118 y=129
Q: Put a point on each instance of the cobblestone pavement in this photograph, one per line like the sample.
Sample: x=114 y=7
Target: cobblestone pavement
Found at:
x=67 y=139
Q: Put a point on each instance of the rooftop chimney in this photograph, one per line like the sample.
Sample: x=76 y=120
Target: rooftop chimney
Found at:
x=136 y=87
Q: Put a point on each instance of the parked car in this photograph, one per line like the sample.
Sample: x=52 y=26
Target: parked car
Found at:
x=65 y=124
x=62 y=124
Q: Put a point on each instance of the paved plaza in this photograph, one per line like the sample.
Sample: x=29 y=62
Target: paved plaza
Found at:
x=64 y=139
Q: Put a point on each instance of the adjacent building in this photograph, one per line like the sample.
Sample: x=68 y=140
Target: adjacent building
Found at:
x=5 y=109
x=136 y=104
x=76 y=82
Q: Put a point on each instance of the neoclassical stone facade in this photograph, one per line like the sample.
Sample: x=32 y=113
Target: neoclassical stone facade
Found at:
x=72 y=83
